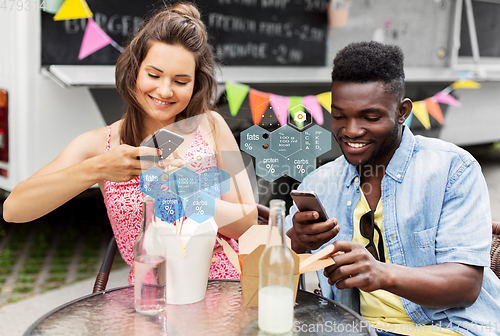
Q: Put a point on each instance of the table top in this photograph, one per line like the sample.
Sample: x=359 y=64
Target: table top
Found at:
x=222 y=312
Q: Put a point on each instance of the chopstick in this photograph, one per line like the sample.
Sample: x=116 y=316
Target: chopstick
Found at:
x=320 y=255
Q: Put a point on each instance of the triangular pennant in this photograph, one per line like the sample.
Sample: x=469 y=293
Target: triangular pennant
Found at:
x=73 y=9
x=408 y=120
x=296 y=110
x=434 y=109
x=94 y=39
x=236 y=94
x=421 y=113
x=280 y=107
x=258 y=104
x=465 y=84
x=325 y=99
x=445 y=98
x=314 y=108
x=51 y=6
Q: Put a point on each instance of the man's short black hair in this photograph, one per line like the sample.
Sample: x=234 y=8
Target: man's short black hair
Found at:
x=363 y=62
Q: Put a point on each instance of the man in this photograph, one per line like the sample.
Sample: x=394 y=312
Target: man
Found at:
x=410 y=215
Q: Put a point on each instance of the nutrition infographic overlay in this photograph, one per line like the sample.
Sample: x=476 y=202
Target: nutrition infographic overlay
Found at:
x=184 y=192
x=285 y=151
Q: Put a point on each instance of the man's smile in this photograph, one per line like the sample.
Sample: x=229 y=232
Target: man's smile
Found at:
x=356 y=144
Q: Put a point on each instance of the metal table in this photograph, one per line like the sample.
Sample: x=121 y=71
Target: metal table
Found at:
x=222 y=312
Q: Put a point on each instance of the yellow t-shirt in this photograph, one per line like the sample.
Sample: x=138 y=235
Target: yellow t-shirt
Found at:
x=383 y=309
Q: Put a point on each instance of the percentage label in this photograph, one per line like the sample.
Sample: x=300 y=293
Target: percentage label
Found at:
x=300 y=169
x=248 y=146
x=169 y=210
x=199 y=210
x=270 y=168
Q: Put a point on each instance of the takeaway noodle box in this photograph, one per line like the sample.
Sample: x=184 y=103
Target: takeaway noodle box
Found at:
x=188 y=253
x=252 y=243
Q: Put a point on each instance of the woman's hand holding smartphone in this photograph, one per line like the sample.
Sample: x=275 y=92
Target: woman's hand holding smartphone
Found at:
x=165 y=141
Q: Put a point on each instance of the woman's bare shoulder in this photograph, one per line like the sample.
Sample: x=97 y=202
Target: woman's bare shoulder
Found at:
x=90 y=143
x=221 y=133
x=213 y=121
x=94 y=142
x=216 y=115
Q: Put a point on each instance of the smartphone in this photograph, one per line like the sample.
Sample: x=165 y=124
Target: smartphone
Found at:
x=164 y=140
x=308 y=201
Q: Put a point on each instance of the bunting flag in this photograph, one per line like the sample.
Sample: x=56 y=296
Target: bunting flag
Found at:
x=465 y=84
x=446 y=98
x=420 y=111
x=236 y=94
x=94 y=39
x=259 y=101
x=297 y=111
x=314 y=108
x=291 y=106
x=325 y=99
x=280 y=106
x=434 y=109
x=51 y=6
x=73 y=9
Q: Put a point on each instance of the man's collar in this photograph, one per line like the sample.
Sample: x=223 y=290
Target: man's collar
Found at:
x=399 y=162
x=401 y=159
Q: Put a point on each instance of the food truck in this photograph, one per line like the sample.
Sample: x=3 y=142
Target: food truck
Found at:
x=48 y=95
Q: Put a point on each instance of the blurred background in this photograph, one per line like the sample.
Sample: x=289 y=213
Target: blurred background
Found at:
x=57 y=81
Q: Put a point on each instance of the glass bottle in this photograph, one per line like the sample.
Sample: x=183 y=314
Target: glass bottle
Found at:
x=149 y=264
x=276 y=267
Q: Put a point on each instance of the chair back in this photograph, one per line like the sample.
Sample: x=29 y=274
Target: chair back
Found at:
x=102 y=277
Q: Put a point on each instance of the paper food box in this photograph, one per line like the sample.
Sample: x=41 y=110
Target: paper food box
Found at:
x=188 y=254
x=251 y=244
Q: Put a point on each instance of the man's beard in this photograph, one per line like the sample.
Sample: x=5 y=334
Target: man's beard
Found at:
x=384 y=150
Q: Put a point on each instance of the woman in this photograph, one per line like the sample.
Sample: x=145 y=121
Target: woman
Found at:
x=166 y=76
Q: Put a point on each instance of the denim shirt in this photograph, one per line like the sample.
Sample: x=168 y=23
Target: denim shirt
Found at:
x=436 y=210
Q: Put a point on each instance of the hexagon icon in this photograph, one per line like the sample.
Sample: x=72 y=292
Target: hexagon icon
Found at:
x=170 y=208
x=301 y=164
x=297 y=118
x=154 y=182
x=270 y=166
x=316 y=140
x=254 y=140
x=300 y=116
x=285 y=141
x=199 y=207
x=215 y=182
x=184 y=182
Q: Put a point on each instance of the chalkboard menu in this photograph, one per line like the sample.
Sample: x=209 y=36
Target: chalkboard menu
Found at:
x=267 y=32
x=242 y=32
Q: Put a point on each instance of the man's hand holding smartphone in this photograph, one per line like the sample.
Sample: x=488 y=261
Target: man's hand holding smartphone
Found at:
x=311 y=228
